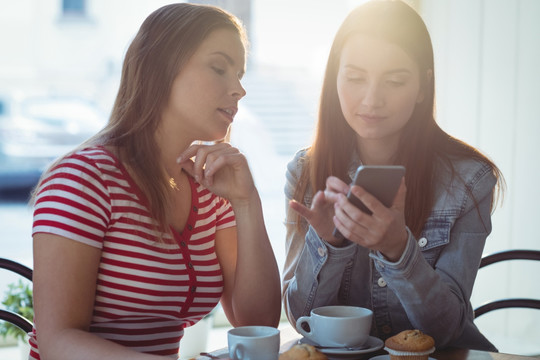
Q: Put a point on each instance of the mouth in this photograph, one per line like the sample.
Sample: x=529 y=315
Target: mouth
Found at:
x=229 y=112
x=371 y=118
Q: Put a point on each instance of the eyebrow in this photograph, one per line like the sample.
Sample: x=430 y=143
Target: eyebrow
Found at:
x=393 y=71
x=229 y=59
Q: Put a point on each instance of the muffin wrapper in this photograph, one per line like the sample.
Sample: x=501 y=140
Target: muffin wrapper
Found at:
x=410 y=355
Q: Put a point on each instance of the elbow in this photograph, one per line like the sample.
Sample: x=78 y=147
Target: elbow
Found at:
x=269 y=316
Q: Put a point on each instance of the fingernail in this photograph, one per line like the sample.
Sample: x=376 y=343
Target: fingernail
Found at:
x=179 y=159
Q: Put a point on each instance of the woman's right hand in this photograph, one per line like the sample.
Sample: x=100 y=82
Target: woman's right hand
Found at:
x=321 y=213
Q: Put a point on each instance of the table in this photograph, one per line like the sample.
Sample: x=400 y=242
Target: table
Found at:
x=289 y=337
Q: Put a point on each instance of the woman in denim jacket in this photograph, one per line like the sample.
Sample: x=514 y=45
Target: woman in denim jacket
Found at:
x=414 y=264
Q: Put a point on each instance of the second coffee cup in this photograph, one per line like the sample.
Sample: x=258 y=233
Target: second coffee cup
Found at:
x=253 y=343
x=337 y=326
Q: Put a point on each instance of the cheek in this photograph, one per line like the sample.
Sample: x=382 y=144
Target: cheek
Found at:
x=346 y=96
x=408 y=101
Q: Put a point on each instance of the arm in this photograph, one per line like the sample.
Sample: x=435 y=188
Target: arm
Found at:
x=442 y=290
x=252 y=290
x=312 y=266
x=64 y=293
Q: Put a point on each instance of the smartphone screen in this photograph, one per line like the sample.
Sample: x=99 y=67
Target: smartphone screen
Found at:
x=381 y=181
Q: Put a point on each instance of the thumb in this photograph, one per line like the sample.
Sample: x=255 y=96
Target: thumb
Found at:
x=188 y=165
x=399 y=200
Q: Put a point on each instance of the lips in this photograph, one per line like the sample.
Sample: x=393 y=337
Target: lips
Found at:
x=229 y=112
x=371 y=118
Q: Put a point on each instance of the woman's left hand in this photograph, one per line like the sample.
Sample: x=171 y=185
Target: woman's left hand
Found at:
x=221 y=168
x=384 y=230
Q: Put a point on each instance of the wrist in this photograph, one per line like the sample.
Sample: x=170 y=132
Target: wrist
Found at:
x=248 y=202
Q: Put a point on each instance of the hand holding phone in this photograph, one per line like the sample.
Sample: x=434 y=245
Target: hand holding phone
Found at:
x=381 y=181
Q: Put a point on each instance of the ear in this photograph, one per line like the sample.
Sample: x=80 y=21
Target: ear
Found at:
x=423 y=87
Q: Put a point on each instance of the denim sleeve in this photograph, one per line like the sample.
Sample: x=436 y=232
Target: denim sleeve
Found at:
x=317 y=277
x=311 y=264
x=442 y=290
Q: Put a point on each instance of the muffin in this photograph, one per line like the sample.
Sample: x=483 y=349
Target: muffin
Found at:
x=302 y=352
x=410 y=345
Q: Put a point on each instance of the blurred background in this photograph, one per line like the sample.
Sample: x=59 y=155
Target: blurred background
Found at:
x=60 y=64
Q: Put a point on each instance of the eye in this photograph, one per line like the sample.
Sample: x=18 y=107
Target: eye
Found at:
x=395 y=83
x=218 y=70
x=356 y=79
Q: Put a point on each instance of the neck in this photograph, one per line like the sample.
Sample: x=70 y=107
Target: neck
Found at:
x=376 y=152
x=170 y=147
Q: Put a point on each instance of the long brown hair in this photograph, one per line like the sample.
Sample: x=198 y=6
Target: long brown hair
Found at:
x=422 y=141
x=164 y=43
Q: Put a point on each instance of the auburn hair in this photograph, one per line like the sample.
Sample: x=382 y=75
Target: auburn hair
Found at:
x=422 y=141
x=166 y=40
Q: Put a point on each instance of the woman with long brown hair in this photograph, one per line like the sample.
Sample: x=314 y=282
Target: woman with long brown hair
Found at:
x=141 y=231
x=414 y=263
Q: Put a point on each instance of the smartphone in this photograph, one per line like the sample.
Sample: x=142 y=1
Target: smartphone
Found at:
x=381 y=181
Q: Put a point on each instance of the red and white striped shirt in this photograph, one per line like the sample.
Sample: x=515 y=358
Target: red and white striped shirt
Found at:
x=148 y=290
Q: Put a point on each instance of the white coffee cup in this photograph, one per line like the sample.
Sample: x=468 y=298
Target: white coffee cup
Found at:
x=337 y=326
x=253 y=343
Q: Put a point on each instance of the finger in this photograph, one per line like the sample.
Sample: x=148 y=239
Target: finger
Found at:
x=188 y=166
x=193 y=149
x=200 y=153
x=351 y=214
x=401 y=195
x=301 y=209
x=223 y=162
x=320 y=200
x=336 y=185
x=370 y=201
x=216 y=160
x=348 y=227
x=190 y=152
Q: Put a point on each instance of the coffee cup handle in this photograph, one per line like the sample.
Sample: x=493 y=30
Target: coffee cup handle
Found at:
x=237 y=352
x=301 y=321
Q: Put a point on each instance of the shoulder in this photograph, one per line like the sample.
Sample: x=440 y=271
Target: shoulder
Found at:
x=294 y=171
x=463 y=182
x=89 y=170
x=295 y=166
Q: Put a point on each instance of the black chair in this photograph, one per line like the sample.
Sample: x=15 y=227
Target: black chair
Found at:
x=509 y=302
x=11 y=317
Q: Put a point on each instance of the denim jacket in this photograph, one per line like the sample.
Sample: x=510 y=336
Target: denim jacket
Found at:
x=428 y=288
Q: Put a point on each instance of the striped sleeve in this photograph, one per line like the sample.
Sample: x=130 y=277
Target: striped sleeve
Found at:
x=225 y=214
x=73 y=201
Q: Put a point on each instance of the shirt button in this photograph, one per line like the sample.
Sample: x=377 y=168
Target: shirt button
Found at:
x=195 y=209
x=190 y=265
x=422 y=242
x=183 y=244
x=381 y=282
x=190 y=227
x=321 y=251
x=386 y=329
x=193 y=288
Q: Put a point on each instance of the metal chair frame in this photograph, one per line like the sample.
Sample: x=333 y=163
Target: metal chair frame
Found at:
x=9 y=316
x=509 y=302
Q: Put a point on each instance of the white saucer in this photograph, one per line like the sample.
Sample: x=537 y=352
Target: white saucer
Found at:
x=387 y=357
x=372 y=344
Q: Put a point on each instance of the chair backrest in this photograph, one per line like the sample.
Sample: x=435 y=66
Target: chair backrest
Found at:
x=9 y=316
x=509 y=302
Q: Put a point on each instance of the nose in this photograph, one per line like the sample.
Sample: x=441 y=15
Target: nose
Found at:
x=373 y=95
x=238 y=90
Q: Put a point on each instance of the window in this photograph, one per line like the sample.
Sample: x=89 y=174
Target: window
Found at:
x=74 y=7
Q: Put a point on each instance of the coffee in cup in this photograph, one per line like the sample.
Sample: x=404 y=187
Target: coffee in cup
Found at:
x=253 y=343
x=337 y=326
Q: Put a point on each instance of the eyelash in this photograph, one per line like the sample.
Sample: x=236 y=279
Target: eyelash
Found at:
x=219 y=71
x=391 y=82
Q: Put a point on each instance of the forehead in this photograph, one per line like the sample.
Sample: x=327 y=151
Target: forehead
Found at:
x=225 y=41
x=372 y=52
